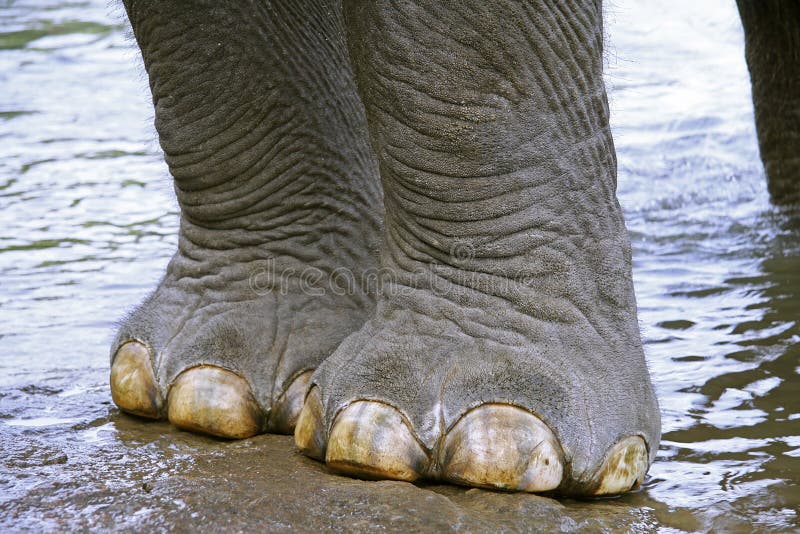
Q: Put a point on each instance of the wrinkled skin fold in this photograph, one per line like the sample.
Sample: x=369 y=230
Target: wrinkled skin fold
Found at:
x=265 y=137
x=399 y=239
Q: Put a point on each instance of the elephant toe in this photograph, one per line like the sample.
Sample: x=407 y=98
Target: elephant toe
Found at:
x=133 y=382
x=215 y=401
x=286 y=410
x=309 y=432
x=623 y=469
x=372 y=440
x=503 y=447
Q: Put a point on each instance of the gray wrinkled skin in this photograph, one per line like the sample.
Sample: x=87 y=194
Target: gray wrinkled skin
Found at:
x=266 y=139
x=505 y=147
x=509 y=266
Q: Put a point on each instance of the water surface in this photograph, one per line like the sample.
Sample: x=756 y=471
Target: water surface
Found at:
x=88 y=222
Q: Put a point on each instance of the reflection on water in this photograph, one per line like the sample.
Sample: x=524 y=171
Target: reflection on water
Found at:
x=87 y=223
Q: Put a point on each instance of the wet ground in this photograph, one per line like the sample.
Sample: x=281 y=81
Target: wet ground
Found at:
x=87 y=224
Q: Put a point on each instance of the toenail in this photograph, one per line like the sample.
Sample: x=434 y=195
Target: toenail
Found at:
x=214 y=401
x=133 y=382
x=286 y=409
x=505 y=447
x=624 y=467
x=309 y=433
x=372 y=440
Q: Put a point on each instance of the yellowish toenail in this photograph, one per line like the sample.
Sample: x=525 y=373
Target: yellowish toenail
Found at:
x=372 y=440
x=133 y=383
x=309 y=433
x=214 y=401
x=287 y=408
x=505 y=447
x=624 y=467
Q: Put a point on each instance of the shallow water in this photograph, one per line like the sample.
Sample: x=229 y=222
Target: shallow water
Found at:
x=88 y=222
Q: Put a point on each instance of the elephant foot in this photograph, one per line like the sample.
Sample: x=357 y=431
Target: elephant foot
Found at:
x=456 y=395
x=205 y=399
x=217 y=350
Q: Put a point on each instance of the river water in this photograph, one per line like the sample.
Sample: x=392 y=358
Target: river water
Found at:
x=88 y=222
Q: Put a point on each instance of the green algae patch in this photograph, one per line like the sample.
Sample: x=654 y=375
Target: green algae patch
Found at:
x=21 y=39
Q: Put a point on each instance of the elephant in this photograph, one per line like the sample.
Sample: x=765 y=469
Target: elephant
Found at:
x=400 y=238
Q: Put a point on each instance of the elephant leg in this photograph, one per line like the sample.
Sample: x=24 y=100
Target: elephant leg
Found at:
x=504 y=350
x=772 y=49
x=264 y=134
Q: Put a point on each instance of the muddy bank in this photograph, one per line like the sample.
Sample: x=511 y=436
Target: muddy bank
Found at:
x=118 y=472
x=69 y=460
